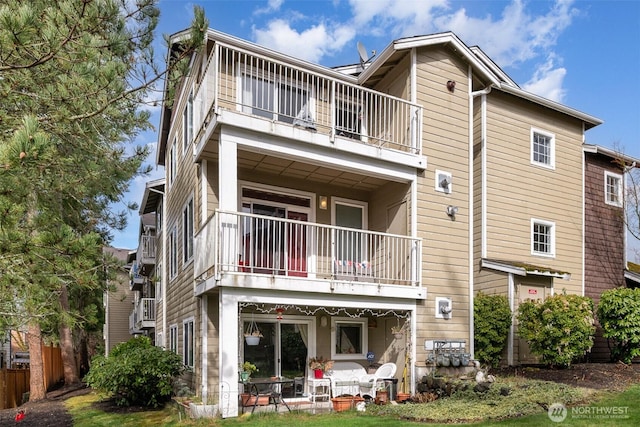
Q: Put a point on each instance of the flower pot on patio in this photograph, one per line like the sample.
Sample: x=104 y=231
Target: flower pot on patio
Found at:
x=401 y=397
x=343 y=403
x=251 y=400
x=252 y=339
x=318 y=374
x=382 y=397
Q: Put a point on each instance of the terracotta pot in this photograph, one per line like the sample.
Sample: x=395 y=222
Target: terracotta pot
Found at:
x=250 y=399
x=382 y=397
x=342 y=403
x=401 y=397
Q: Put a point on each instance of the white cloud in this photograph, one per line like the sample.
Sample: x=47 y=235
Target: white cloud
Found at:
x=547 y=81
x=311 y=44
x=272 y=6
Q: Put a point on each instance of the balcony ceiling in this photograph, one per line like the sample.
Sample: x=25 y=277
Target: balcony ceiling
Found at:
x=304 y=171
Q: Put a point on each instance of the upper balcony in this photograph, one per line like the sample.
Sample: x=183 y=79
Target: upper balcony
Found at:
x=146 y=256
x=249 y=250
x=136 y=280
x=300 y=102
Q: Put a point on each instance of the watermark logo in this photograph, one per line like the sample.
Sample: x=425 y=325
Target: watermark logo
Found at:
x=557 y=412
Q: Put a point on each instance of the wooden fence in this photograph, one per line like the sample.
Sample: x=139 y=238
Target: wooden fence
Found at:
x=15 y=382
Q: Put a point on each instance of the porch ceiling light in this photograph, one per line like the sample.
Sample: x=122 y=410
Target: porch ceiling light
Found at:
x=323 y=202
x=279 y=312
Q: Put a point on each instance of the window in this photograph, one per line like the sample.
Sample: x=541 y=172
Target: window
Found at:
x=187 y=123
x=542 y=149
x=158 y=280
x=349 y=338
x=159 y=217
x=172 y=162
x=187 y=231
x=188 y=341
x=284 y=102
x=173 y=338
x=349 y=244
x=612 y=188
x=159 y=340
x=173 y=253
x=542 y=238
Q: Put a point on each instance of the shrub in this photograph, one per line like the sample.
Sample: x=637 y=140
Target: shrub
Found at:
x=559 y=329
x=492 y=319
x=136 y=373
x=619 y=316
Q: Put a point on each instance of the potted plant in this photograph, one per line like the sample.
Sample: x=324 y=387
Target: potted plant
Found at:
x=246 y=369
x=320 y=365
x=252 y=335
x=382 y=394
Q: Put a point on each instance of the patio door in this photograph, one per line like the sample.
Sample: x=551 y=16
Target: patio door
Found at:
x=282 y=350
x=271 y=245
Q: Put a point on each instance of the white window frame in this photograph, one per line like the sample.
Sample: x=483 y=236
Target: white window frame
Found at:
x=158 y=280
x=173 y=338
x=159 y=218
x=188 y=342
x=275 y=82
x=187 y=232
x=187 y=123
x=159 y=340
x=364 y=337
x=618 y=194
x=173 y=252
x=552 y=149
x=172 y=162
x=552 y=237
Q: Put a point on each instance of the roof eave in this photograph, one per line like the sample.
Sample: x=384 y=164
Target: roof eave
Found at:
x=598 y=149
x=586 y=118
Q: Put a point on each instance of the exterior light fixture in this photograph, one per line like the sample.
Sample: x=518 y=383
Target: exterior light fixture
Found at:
x=323 y=202
x=279 y=312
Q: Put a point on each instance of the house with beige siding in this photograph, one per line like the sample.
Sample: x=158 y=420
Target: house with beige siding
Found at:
x=324 y=206
x=117 y=301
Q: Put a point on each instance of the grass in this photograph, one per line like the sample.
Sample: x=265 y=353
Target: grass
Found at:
x=526 y=402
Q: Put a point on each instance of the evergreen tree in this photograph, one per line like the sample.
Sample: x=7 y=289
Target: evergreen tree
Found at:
x=74 y=75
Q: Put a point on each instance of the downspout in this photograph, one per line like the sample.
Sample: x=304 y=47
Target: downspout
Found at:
x=414 y=215
x=584 y=208
x=472 y=96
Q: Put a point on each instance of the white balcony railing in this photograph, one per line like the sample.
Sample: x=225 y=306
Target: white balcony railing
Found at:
x=241 y=243
x=253 y=84
x=146 y=310
x=147 y=249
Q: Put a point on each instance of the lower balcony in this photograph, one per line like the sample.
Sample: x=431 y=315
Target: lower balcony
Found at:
x=143 y=315
x=249 y=250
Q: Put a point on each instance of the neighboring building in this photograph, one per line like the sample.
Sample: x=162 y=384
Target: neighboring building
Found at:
x=117 y=301
x=605 y=230
x=325 y=206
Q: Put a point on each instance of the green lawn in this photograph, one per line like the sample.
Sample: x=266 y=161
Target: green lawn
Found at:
x=442 y=412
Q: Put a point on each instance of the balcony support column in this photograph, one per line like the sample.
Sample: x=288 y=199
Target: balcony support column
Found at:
x=228 y=173
x=229 y=354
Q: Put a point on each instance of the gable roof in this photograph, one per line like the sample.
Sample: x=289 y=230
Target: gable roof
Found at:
x=483 y=66
x=614 y=154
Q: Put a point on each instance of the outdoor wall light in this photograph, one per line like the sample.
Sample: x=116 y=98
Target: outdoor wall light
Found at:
x=452 y=211
x=323 y=202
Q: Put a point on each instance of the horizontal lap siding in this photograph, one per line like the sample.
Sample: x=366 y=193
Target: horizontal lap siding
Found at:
x=181 y=302
x=604 y=241
x=445 y=242
x=518 y=191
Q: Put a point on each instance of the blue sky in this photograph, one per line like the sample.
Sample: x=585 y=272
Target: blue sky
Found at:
x=584 y=54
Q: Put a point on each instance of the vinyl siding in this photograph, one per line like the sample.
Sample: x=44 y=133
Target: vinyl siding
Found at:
x=445 y=242
x=518 y=191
